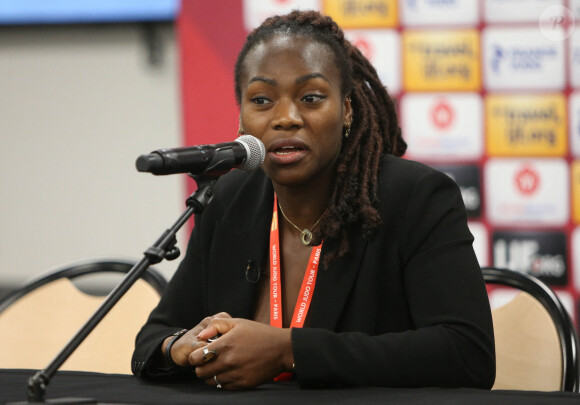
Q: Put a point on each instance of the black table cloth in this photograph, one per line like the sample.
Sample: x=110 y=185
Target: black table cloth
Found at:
x=126 y=389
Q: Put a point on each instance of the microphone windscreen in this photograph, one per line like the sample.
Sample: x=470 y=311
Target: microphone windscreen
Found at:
x=255 y=150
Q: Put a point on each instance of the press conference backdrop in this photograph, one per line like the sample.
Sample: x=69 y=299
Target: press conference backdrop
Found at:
x=488 y=91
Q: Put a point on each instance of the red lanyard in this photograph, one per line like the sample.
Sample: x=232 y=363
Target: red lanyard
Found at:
x=306 y=291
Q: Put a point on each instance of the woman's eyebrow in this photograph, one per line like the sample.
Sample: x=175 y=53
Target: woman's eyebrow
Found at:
x=271 y=82
x=305 y=78
x=299 y=80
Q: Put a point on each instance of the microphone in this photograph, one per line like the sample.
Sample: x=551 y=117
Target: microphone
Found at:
x=246 y=153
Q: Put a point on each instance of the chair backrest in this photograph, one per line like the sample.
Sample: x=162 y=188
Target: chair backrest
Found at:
x=536 y=344
x=38 y=320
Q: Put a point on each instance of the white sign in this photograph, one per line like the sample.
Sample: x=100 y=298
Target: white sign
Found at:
x=429 y=12
x=522 y=58
x=574 y=6
x=442 y=125
x=574 y=59
x=576 y=257
x=517 y=10
x=256 y=11
x=382 y=48
x=574 y=124
x=480 y=242
x=527 y=191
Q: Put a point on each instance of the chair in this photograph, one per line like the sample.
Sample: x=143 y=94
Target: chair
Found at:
x=536 y=344
x=37 y=320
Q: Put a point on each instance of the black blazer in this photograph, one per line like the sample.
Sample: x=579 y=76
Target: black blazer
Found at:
x=406 y=308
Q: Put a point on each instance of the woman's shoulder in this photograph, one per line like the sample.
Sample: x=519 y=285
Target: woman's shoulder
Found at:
x=398 y=168
x=402 y=176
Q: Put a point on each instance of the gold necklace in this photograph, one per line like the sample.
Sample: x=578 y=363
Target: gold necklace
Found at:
x=305 y=234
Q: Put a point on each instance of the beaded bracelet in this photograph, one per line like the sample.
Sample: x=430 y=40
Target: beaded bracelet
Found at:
x=167 y=352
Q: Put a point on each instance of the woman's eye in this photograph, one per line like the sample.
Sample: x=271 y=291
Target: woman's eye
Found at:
x=313 y=98
x=259 y=100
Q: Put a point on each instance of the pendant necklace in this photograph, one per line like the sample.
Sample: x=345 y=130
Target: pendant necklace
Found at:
x=305 y=234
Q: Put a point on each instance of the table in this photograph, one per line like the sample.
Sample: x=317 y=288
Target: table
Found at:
x=116 y=388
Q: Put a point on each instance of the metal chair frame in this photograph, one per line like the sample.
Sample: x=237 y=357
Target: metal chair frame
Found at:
x=81 y=268
x=562 y=322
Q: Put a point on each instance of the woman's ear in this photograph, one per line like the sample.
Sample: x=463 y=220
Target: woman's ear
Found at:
x=348 y=113
x=240 y=126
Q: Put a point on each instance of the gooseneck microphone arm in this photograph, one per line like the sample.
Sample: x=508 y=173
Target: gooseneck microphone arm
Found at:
x=163 y=248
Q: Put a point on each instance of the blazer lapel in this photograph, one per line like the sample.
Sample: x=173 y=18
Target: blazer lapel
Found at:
x=333 y=287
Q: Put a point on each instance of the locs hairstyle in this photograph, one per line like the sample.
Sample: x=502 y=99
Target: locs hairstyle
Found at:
x=374 y=131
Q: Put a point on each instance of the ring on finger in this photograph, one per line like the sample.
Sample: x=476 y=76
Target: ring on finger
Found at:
x=217 y=383
x=208 y=355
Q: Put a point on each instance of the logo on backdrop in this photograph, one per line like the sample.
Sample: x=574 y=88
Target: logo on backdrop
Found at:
x=365 y=47
x=362 y=13
x=574 y=122
x=527 y=180
x=255 y=11
x=522 y=58
x=576 y=195
x=439 y=12
x=441 y=60
x=517 y=10
x=539 y=253
x=576 y=256
x=531 y=58
x=442 y=125
x=362 y=9
x=529 y=192
x=467 y=178
x=574 y=56
x=381 y=47
x=442 y=115
x=530 y=125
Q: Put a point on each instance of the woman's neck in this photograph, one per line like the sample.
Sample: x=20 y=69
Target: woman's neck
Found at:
x=303 y=206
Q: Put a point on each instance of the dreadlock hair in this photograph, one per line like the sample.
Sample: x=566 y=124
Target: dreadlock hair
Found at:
x=374 y=130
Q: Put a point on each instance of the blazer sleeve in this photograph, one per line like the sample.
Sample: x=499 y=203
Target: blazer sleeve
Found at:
x=185 y=302
x=451 y=343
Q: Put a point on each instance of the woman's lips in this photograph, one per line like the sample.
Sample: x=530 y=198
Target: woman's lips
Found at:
x=287 y=155
x=287 y=151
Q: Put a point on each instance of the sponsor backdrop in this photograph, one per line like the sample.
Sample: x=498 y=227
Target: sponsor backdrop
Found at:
x=488 y=92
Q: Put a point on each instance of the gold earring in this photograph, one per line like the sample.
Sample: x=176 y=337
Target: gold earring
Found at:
x=348 y=124
x=347 y=129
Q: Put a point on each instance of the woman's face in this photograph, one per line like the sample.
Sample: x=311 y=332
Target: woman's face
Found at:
x=291 y=101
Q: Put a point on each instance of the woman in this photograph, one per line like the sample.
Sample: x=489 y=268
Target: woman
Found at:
x=337 y=263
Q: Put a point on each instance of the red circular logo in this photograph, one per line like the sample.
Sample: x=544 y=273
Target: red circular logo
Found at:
x=365 y=47
x=442 y=114
x=527 y=180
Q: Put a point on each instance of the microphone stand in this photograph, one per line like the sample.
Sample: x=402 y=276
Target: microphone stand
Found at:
x=163 y=248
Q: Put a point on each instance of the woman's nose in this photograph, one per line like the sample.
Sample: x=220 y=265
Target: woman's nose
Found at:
x=286 y=115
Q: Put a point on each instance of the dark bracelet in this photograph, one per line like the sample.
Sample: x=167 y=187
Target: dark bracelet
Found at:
x=167 y=351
